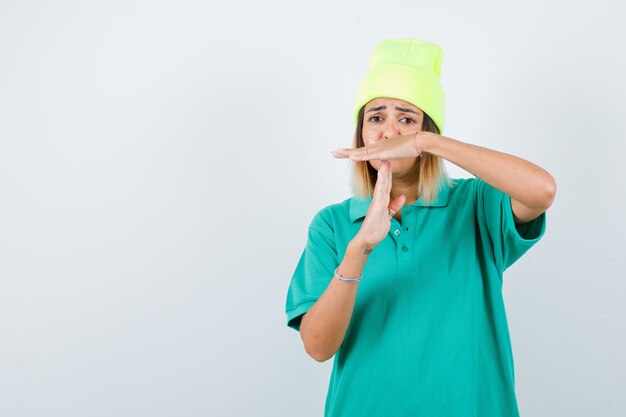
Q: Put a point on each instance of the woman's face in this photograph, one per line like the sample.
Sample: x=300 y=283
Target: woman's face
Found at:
x=386 y=117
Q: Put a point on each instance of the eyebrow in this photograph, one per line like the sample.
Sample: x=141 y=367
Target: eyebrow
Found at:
x=397 y=108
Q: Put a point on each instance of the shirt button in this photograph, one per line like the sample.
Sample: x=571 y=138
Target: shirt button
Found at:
x=405 y=249
x=397 y=232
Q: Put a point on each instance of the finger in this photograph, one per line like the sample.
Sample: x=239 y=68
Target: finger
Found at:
x=388 y=183
x=385 y=188
x=381 y=178
x=363 y=153
x=394 y=147
x=396 y=205
x=341 y=152
x=382 y=187
x=372 y=153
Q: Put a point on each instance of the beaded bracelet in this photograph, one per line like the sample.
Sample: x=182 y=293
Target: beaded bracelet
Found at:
x=347 y=279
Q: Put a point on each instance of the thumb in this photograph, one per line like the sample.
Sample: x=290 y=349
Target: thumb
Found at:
x=397 y=204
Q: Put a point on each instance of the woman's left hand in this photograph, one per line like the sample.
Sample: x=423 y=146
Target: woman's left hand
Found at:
x=404 y=146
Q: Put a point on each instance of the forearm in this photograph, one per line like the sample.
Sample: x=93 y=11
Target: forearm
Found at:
x=324 y=326
x=522 y=180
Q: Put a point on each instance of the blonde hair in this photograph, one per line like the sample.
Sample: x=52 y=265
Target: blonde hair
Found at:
x=432 y=171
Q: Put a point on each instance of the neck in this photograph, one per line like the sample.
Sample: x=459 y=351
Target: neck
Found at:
x=405 y=184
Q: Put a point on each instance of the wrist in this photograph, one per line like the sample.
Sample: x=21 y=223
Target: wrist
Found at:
x=427 y=141
x=360 y=246
x=355 y=258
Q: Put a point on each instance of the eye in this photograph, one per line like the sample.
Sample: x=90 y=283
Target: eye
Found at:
x=408 y=118
x=374 y=117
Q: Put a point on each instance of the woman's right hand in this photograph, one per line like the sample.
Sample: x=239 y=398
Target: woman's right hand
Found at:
x=378 y=218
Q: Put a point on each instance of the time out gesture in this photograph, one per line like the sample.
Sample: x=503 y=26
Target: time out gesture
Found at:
x=531 y=188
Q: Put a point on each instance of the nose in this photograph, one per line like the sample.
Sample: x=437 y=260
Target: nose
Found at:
x=390 y=129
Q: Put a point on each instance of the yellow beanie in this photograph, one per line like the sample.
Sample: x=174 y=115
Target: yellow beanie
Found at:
x=406 y=69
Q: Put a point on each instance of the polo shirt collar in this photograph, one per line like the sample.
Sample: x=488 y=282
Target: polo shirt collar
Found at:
x=359 y=205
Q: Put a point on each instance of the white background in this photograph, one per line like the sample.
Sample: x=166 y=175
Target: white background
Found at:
x=160 y=163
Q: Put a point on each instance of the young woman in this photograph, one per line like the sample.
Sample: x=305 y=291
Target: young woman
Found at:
x=402 y=283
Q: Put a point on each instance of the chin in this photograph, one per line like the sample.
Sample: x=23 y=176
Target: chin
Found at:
x=400 y=169
x=395 y=165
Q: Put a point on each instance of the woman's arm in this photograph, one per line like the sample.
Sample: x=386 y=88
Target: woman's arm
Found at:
x=324 y=326
x=531 y=188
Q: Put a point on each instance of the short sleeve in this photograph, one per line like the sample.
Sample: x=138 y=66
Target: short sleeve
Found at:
x=314 y=270
x=508 y=240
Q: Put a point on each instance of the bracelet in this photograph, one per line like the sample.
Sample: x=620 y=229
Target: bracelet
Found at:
x=415 y=145
x=347 y=279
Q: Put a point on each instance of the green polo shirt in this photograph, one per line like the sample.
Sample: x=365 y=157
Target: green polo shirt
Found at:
x=428 y=335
